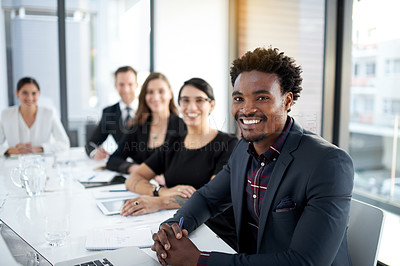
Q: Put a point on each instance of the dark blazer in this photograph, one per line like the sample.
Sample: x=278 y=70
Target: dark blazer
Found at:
x=317 y=175
x=110 y=123
x=134 y=144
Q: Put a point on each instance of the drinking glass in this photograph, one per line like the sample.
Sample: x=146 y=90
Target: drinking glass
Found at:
x=57 y=229
x=30 y=175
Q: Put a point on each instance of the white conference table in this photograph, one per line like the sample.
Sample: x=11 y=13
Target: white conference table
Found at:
x=26 y=215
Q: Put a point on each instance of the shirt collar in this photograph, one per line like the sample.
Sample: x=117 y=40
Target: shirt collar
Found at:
x=123 y=106
x=274 y=150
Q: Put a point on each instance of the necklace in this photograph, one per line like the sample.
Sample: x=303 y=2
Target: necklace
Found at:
x=154 y=136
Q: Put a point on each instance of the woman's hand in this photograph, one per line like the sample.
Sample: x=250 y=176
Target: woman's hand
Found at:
x=36 y=149
x=183 y=191
x=141 y=205
x=24 y=148
x=12 y=150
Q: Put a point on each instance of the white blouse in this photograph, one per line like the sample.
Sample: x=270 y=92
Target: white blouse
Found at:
x=47 y=130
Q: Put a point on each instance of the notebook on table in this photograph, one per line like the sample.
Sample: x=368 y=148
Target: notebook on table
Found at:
x=118 y=237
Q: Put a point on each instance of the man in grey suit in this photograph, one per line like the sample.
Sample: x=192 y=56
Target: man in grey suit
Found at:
x=289 y=188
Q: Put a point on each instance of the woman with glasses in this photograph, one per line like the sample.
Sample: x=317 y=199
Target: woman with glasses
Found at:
x=187 y=162
x=29 y=128
x=156 y=119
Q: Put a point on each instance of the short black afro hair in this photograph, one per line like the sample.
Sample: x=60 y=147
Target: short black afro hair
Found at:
x=270 y=61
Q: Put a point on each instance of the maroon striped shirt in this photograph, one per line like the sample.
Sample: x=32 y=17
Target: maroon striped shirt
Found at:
x=258 y=176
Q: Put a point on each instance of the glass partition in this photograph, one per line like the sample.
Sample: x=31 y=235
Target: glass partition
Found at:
x=102 y=36
x=375 y=101
x=31 y=39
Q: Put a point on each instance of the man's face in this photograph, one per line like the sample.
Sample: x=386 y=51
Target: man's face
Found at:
x=259 y=107
x=126 y=84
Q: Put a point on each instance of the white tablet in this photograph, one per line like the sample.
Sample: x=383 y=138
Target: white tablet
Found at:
x=112 y=206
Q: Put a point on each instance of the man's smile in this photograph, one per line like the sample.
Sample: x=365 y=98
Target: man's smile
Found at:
x=250 y=122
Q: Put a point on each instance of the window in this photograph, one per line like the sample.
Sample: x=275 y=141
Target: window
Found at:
x=388 y=66
x=396 y=66
x=370 y=69
x=368 y=104
x=356 y=70
x=392 y=107
x=377 y=106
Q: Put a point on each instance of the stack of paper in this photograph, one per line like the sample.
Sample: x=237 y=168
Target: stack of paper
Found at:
x=128 y=231
x=96 y=176
x=118 y=237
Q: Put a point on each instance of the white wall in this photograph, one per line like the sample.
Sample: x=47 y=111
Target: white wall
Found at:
x=191 y=40
x=3 y=63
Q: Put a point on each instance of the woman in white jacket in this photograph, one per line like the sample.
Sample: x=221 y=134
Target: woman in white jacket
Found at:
x=29 y=128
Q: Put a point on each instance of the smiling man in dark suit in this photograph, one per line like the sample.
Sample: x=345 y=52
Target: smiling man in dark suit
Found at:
x=115 y=118
x=289 y=188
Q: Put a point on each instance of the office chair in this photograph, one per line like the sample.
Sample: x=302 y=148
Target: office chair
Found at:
x=90 y=128
x=364 y=233
x=73 y=138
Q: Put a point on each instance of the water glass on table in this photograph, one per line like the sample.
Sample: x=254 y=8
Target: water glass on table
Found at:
x=57 y=229
x=30 y=174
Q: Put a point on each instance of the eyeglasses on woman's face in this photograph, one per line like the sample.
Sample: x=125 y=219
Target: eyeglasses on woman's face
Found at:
x=199 y=101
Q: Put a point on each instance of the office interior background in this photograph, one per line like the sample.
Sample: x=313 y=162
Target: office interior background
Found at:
x=349 y=52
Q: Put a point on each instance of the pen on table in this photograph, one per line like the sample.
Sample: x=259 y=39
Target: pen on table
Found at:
x=143 y=247
x=181 y=222
x=90 y=178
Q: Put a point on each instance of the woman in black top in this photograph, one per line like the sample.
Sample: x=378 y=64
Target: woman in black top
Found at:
x=155 y=121
x=187 y=162
x=191 y=166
